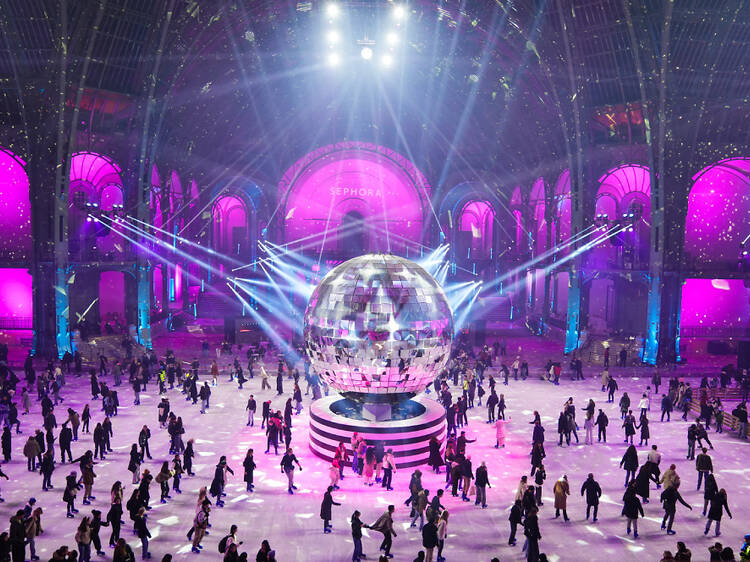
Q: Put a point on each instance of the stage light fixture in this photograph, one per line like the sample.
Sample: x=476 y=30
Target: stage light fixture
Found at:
x=333 y=10
x=386 y=60
x=399 y=12
x=391 y=38
x=366 y=53
x=333 y=59
x=333 y=37
x=88 y=219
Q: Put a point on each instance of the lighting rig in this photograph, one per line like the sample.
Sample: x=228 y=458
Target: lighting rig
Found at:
x=367 y=36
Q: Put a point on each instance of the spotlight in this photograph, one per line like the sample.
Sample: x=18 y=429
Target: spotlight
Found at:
x=333 y=59
x=366 y=53
x=386 y=60
x=333 y=37
x=399 y=12
x=333 y=10
x=391 y=38
x=88 y=219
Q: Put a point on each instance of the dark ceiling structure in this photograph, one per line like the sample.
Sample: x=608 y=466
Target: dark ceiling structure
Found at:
x=505 y=86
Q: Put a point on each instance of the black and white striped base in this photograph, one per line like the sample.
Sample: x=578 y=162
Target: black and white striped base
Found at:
x=409 y=438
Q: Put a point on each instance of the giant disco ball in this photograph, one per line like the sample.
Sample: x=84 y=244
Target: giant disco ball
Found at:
x=378 y=324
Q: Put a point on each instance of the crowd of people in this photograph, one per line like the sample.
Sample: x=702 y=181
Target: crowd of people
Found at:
x=471 y=377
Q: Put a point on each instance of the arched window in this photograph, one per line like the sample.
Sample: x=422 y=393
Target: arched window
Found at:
x=230 y=225
x=717 y=227
x=624 y=198
x=477 y=218
x=15 y=208
x=95 y=189
x=537 y=203
x=516 y=204
x=563 y=207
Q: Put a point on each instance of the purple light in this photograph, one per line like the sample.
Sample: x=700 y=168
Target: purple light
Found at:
x=477 y=217
x=715 y=303
x=230 y=223
x=718 y=217
x=15 y=208
x=112 y=296
x=15 y=293
x=381 y=186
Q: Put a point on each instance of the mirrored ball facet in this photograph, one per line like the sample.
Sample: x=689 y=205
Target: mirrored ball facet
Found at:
x=378 y=324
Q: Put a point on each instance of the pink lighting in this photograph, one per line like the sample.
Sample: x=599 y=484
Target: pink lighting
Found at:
x=112 y=297
x=15 y=293
x=354 y=179
x=478 y=217
x=537 y=202
x=230 y=223
x=715 y=303
x=718 y=217
x=15 y=208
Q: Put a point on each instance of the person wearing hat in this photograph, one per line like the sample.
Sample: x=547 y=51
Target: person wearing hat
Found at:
x=28 y=508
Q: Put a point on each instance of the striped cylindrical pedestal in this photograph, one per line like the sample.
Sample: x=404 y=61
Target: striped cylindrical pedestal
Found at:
x=408 y=438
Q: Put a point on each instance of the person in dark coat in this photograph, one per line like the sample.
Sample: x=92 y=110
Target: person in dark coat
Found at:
x=630 y=463
x=537 y=456
x=631 y=508
x=217 y=484
x=6 y=444
x=669 y=498
x=65 y=438
x=436 y=459
x=593 y=492
x=629 y=424
x=532 y=534
x=187 y=458
x=646 y=475
x=515 y=520
x=645 y=434
x=141 y=530
x=46 y=470
x=249 y=465
x=325 y=510
x=563 y=429
x=718 y=505
x=602 y=421
x=709 y=490
x=17 y=535
x=482 y=482
x=429 y=538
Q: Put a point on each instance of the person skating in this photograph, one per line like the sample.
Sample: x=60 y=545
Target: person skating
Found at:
x=219 y=481
x=162 y=478
x=629 y=463
x=325 y=510
x=631 y=509
x=704 y=466
x=709 y=490
x=429 y=539
x=718 y=506
x=515 y=518
x=250 y=408
x=561 y=490
x=72 y=485
x=533 y=536
x=200 y=523
x=593 y=492
x=481 y=483
x=389 y=467
x=384 y=525
x=287 y=467
x=628 y=424
x=602 y=421
x=669 y=498
x=248 y=464
x=357 y=525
